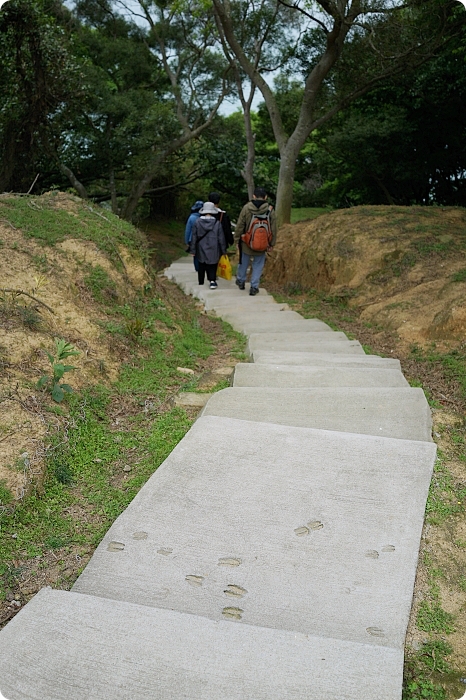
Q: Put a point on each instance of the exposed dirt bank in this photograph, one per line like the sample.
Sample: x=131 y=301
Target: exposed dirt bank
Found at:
x=403 y=268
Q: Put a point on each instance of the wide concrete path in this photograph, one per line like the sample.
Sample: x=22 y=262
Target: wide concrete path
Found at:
x=271 y=556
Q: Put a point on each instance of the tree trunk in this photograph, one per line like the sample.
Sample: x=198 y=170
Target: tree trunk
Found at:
x=248 y=172
x=285 y=185
x=113 y=196
x=129 y=207
x=9 y=156
x=78 y=186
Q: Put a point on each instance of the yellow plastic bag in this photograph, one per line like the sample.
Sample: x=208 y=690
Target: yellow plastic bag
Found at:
x=224 y=268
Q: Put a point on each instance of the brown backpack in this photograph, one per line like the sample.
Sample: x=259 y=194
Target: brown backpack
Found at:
x=258 y=235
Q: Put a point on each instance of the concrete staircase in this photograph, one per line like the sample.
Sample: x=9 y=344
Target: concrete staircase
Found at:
x=271 y=556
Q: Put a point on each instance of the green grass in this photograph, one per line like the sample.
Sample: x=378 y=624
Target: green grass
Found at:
x=459 y=276
x=5 y=494
x=166 y=240
x=433 y=618
x=306 y=213
x=38 y=218
x=453 y=364
x=40 y=522
x=445 y=497
x=100 y=284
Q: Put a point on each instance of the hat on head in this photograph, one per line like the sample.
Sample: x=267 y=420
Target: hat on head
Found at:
x=197 y=205
x=209 y=208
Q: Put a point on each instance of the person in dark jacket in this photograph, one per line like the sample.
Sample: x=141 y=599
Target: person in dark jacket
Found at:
x=259 y=205
x=188 y=232
x=208 y=243
x=223 y=217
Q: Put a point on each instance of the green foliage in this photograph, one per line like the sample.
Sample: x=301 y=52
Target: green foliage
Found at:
x=444 y=499
x=41 y=219
x=38 y=77
x=135 y=327
x=100 y=284
x=432 y=618
x=5 y=494
x=423 y=689
x=425 y=671
x=11 y=308
x=433 y=655
x=459 y=276
x=63 y=349
x=307 y=213
x=403 y=142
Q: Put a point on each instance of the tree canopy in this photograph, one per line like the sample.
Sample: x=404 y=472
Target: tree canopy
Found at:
x=362 y=101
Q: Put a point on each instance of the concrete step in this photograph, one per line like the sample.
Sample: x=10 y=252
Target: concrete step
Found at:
x=271 y=320
x=317 y=342
x=284 y=357
x=244 y=305
x=296 y=377
x=274 y=324
x=390 y=412
x=186 y=259
x=311 y=531
x=67 y=646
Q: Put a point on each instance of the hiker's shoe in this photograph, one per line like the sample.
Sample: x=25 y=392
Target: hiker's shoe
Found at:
x=253 y=291
x=239 y=284
x=213 y=285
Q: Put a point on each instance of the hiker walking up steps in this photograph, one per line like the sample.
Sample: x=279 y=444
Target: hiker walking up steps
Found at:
x=207 y=243
x=188 y=232
x=223 y=217
x=255 y=234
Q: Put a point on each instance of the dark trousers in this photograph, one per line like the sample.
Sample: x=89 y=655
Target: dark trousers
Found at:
x=210 y=270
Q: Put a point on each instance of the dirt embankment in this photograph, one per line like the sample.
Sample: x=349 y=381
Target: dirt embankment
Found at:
x=403 y=268
x=47 y=293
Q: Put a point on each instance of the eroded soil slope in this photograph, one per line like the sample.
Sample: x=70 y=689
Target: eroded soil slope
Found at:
x=403 y=268
x=48 y=289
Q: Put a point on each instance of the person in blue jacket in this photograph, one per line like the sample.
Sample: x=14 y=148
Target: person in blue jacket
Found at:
x=188 y=232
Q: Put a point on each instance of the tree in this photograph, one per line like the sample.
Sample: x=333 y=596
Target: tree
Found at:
x=404 y=143
x=37 y=76
x=182 y=41
x=374 y=39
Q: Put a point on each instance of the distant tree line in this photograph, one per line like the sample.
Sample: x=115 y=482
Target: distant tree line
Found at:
x=362 y=101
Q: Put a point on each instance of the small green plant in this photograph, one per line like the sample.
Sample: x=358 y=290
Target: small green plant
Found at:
x=459 y=276
x=62 y=351
x=134 y=327
x=63 y=473
x=100 y=284
x=423 y=689
x=30 y=318
x=432 y=618
x=293 y=289
x=5 y=494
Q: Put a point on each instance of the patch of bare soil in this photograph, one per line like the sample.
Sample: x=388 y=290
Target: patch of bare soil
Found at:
x=403 y=268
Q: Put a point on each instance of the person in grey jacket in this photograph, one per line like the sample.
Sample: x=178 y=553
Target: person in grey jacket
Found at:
x=259 y=205
x=208 y=243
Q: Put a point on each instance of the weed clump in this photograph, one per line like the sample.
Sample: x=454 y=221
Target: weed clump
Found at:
x=5 y=494
x=100 y=284
x=52 y=382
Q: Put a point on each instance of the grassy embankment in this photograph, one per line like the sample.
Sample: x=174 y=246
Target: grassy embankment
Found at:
x=435 y=656
x=104 y=440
